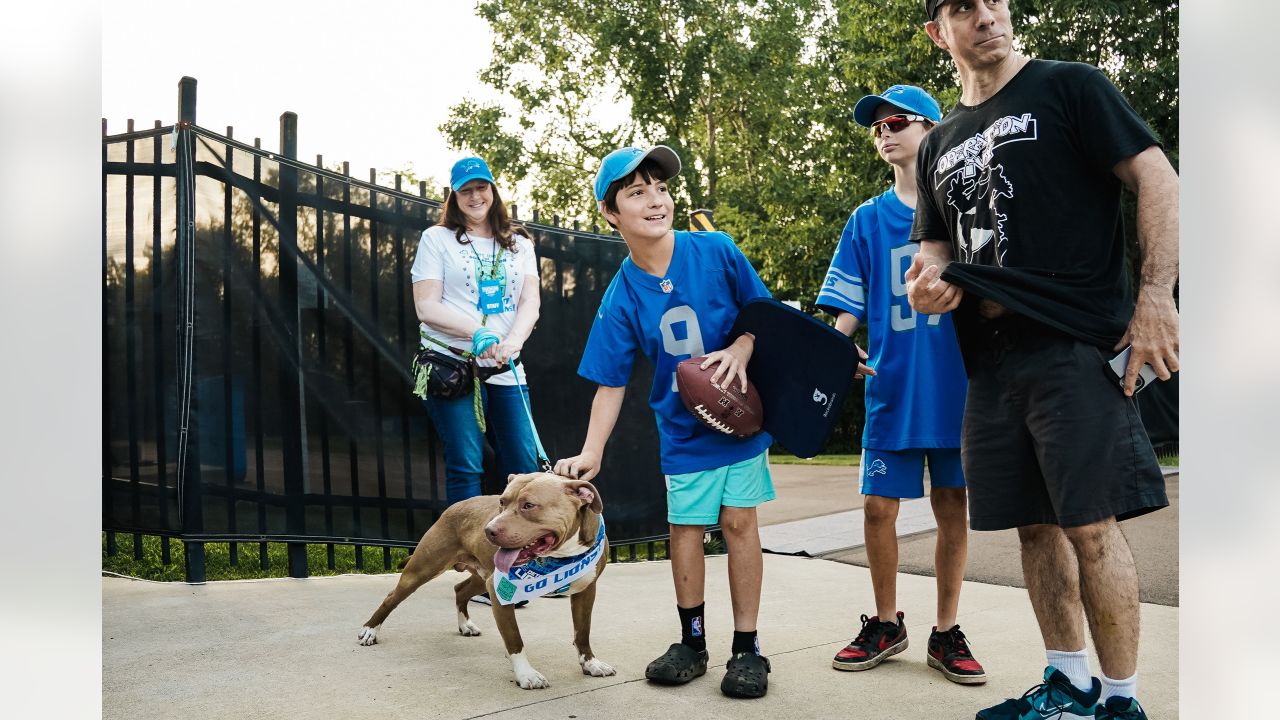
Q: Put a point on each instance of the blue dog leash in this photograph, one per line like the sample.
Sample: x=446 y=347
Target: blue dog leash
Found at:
x=482 y=340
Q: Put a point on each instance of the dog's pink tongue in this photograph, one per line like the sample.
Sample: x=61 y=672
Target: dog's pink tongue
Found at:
x=504 y=559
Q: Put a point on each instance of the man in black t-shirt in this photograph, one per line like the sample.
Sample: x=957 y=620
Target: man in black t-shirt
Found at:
x=1020 y=234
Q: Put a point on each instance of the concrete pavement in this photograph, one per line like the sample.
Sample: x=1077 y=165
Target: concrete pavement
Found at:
x=995 y=557
x=819 y=513
x=287 y=649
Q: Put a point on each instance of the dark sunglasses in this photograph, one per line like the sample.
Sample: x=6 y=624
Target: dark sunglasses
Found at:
x=895 y=123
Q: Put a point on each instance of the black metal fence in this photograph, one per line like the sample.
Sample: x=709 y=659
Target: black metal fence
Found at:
x=257 y=325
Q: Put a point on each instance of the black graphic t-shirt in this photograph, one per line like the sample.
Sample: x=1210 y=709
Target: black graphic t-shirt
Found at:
x=1022 y=186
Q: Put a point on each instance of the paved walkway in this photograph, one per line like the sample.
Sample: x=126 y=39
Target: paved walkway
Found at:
x=994 y=557
x=285 y=648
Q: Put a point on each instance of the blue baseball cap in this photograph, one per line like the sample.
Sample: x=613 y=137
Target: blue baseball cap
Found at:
x=907 y=97
x=467 y=169
x=619 y=163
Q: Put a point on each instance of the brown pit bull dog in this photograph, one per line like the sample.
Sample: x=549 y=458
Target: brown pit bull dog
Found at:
x=540 y=515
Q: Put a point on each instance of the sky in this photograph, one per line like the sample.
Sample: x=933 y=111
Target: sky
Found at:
x=370 y=82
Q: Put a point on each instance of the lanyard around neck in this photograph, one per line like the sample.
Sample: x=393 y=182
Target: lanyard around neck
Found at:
x=493 y=259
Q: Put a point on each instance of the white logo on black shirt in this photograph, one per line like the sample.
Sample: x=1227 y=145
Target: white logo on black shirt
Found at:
x=974 y=185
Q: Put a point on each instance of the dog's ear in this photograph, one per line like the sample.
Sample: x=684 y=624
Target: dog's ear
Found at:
x=511 y=477
x=586 y=493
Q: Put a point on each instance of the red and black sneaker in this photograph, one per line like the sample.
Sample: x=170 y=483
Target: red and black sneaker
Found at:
x=949 y=653
x=876 y=641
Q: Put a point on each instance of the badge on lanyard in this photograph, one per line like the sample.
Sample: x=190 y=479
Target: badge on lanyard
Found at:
x=490 y=302
x=491 y=285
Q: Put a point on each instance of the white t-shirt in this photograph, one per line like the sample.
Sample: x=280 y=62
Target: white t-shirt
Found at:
x=441 y=257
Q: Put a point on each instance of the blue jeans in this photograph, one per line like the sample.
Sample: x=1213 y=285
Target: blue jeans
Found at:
x=509 y=431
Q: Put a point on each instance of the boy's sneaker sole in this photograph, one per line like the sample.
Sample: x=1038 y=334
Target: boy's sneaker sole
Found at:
x=953 y=677
x=872 y=661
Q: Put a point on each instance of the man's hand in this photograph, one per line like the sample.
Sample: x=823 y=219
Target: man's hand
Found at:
x=1153 y=333
x=733 y=360
x=583 y=466
x=927 y=292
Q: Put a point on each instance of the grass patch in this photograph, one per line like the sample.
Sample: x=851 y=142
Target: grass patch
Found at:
x=1168 y=460
x=640 y=552
x=782 y=458
x=218 y=566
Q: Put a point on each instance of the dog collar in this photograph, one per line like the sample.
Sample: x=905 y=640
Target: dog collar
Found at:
x=547 y=574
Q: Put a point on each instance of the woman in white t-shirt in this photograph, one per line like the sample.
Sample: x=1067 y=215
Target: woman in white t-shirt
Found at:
x=475 y=247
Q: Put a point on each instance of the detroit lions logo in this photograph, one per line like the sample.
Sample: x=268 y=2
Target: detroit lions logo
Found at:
x=974 y=185
x=877 y=467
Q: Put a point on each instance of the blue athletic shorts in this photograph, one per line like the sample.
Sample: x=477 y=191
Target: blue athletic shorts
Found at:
x=695 y=498
x=900 y=473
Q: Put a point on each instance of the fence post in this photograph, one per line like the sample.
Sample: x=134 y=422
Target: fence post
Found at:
x=291 y=415
x=190 y=486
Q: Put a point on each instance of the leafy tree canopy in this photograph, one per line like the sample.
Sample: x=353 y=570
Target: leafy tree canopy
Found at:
x=756 y=96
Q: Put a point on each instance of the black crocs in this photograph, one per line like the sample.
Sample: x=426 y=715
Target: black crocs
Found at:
x=746 y=676
x=678 y=665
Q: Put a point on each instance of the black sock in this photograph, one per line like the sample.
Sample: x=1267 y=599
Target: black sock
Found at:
x=692 y=632
x=745 y=642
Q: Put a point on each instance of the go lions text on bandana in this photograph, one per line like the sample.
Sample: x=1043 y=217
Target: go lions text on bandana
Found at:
x=546 y=574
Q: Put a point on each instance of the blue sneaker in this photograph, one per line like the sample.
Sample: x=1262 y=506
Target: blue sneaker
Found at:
x=1118 y=708
x=1055 y=698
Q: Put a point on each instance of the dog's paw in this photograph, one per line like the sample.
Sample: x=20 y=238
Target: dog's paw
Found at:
x=595 y=667
x=533 y=680
x=368 y=635
x=466 y=627
x=526 y=676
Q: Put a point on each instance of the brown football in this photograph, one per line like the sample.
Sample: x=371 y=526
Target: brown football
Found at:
x=723 y=407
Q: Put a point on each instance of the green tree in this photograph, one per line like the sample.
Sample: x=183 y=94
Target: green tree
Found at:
x=714 y=80
x=1136 y=44
x=756 y=96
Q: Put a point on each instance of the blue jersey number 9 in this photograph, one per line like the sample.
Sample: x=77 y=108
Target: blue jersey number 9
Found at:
x=691 y=345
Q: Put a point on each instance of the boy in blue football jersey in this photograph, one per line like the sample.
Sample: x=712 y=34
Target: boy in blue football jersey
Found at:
x=676 y=297
x=915 y=397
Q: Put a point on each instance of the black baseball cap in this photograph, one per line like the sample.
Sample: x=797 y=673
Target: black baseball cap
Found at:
x=931 y=8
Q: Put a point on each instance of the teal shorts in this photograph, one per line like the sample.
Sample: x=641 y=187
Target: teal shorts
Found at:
x=695 y=498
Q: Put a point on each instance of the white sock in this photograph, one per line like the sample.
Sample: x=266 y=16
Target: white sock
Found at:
x=1075 y=665
x=1126 y=688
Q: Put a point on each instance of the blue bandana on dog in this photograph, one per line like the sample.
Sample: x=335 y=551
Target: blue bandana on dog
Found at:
x=542 y=575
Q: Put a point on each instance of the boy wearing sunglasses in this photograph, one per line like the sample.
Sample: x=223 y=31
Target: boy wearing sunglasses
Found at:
x=914 y=395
